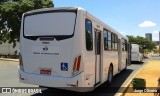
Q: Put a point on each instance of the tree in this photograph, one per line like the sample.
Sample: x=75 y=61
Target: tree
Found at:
x=143 y=42
x=2 y=1
x=10 y=17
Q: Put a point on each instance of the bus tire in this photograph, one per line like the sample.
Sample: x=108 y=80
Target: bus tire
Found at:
x=110 y=75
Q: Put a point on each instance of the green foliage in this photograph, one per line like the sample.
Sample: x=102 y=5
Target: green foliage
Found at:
x=10 y=17
x=3 y=1
x=143 y=42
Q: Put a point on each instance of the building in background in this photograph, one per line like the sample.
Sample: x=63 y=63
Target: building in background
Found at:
x=148 y=36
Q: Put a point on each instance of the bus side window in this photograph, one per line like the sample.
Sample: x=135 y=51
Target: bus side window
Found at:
x=116 y=42
x=123 y=45
x=105 y=34
x=89 y=36
x=109 y=41
x=126 y=48
x=113 y=41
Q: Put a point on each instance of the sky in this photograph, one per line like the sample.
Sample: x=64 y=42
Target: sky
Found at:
x=129 y=17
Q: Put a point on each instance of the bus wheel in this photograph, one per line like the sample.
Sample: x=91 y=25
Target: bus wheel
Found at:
x=110 y=75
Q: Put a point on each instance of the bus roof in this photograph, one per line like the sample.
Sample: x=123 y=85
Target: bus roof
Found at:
x=54 y=9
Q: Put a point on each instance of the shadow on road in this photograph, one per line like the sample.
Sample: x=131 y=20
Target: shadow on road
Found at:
x=137 y=62
x=104 y=89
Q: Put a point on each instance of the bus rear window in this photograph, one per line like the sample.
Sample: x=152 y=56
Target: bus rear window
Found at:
x=45 y=24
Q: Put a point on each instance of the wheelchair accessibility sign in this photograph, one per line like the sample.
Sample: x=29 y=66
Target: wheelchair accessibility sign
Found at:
x=64 y=66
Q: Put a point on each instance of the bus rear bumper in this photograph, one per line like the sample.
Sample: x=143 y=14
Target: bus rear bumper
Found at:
x=75 y=83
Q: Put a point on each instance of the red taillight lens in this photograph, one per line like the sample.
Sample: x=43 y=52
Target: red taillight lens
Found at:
x=77 y=63
x=20 y=61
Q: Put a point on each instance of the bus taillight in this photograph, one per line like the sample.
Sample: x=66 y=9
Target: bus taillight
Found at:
x=76 y=66
x=78 y=63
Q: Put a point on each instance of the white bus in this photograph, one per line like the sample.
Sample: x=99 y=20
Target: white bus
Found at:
x=136 y=54
x=68 y=48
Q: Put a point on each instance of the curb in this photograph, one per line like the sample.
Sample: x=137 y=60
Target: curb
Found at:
x=5 y=59
x=126 y=84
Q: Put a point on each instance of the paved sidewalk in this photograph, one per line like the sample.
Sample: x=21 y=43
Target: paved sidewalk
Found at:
x=150 y=72
x=8 y=59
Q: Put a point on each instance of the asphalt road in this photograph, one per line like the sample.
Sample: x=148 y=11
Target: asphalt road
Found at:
x=9 y=78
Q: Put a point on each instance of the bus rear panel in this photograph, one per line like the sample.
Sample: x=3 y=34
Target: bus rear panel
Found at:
x=49 y=55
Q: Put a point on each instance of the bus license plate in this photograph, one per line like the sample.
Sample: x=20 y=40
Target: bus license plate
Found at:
x=45 y=71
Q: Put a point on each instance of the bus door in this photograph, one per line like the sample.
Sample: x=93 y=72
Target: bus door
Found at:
x=97 y=56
